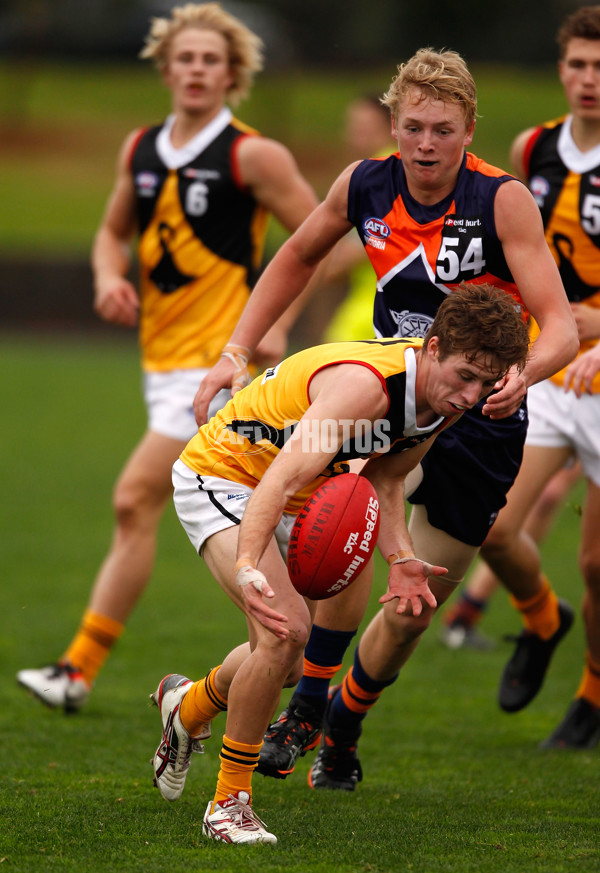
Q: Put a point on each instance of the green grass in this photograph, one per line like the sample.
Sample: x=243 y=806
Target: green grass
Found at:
x=451 y=783
x=62 y=126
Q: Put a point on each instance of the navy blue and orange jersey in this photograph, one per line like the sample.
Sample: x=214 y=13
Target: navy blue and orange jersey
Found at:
x=419 y=252
x=246 y=435
x=566 y=186
x=201 y=242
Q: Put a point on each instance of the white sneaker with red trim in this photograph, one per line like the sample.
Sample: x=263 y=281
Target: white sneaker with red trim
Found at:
x=59 y=685
x=234 y=821
x=172 y=758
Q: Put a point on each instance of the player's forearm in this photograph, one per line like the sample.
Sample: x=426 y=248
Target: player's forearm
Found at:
x=111 y=256
x=262 y=515
x=554 y=348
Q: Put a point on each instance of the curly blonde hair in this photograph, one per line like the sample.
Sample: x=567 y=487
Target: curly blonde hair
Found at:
x=442 y=75
x=245 y=48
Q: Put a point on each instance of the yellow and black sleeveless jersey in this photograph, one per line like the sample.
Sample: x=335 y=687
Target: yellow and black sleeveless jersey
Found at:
x=566 y=186
x=246 y=435
x=200 y=246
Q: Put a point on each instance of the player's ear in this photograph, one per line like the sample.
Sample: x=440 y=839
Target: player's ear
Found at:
x=433 y=348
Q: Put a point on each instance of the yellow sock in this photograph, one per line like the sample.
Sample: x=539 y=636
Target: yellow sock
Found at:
x=540 y=613
x=92 y=643
x=238 y=763
x=590 y=682
x=201 y=704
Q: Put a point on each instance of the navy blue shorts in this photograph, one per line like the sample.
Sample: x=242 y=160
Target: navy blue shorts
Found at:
x=468 y=471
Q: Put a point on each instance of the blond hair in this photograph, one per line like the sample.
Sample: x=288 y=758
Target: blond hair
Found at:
x=245 y=48
x=441 y=75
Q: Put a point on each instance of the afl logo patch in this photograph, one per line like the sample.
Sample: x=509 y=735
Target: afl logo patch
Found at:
x=146 y=183
x=539 y=187
x=376 y=228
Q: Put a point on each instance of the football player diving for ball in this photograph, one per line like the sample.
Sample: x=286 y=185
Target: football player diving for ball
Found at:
x=242 y=479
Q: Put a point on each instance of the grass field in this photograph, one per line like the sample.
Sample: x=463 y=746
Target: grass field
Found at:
x=451 y=784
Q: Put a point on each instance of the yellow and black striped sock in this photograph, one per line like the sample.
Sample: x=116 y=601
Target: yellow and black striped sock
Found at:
x=540 y=613
x=201 y=703
x=238 y=763
x=92 y=643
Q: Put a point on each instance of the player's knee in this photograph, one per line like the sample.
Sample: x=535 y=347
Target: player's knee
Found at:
x=135 y=503
x=497 y=542
x=406 y=628
x=128 y=504
x=285 y=656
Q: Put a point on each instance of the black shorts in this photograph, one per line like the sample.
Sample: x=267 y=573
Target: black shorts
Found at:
x=468 y=471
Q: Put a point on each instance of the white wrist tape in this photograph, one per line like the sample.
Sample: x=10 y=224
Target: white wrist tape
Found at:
x=239 y=356
x=248 y=575
x=404 y=560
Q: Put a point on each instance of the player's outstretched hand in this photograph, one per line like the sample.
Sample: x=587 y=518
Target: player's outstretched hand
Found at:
x=254 y=587
x=407 y=581
x=579 y=375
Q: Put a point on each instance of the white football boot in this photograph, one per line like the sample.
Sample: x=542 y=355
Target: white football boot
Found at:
x=234 y=821
x=172 y=758
x=59 y=685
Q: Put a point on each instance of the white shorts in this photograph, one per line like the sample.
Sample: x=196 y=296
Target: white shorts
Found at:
x=206 y=505
x=558 y=420
x=169 y=400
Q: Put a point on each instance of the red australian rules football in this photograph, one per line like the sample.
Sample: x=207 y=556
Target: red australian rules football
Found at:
x=334 y=536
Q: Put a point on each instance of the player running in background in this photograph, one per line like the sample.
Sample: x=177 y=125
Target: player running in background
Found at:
x=237 y=497
x=430 y=216
x=561 y=161
x=197 y=190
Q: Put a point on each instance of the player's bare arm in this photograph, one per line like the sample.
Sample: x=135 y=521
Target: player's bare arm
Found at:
x=338 y=394
x=520 y=229
x=115 y=298
x=408 y=576
x=282 y=282
x=269 y=170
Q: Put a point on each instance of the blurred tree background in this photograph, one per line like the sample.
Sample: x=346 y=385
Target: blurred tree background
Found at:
x=71 y=88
